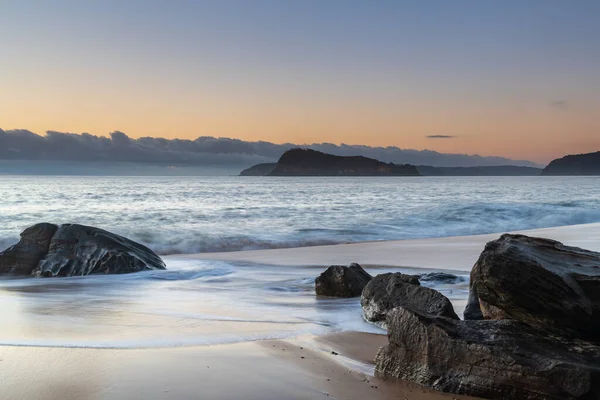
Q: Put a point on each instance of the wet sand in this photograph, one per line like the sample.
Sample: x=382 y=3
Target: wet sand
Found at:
x=299 y=368
x=452 y=253
x=265 y=370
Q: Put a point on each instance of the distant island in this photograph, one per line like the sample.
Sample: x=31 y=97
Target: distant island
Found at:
x=263 y=169
x=306 y=162
x=578 y=164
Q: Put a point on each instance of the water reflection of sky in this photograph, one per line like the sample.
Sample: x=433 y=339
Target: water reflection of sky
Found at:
x=193 y=302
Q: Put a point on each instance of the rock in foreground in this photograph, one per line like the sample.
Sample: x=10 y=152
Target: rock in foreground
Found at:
x=23 y=257
x=490 y=359
x=388 y=291
x=342 y=281
x=540 y=282
x=74 y=250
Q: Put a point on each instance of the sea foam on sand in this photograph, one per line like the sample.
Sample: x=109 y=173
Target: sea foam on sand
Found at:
x=455 y=253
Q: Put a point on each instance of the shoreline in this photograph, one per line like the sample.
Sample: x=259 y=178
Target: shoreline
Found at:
x=457 y=253
x=300 y=367
x=271 y=369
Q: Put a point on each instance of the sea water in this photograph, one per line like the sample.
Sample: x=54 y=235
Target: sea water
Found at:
x=198 y=301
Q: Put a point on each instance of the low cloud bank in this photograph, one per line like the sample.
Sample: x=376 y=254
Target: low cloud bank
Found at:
x=205 y=151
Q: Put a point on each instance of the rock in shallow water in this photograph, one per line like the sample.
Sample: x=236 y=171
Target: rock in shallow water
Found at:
x=499 y=359
x=388 y=291
x=74 y=250
x=540 y=282
x=23 y=257
x=439 y=277
x=342 y=281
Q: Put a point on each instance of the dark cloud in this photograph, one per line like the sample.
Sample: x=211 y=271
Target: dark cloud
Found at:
x=204 y=151
x=440 y=137
x=560 y=104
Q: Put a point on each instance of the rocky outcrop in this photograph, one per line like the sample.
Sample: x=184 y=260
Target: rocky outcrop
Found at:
x=575 y=164
x=388 y=291
x=259 y=169
x=72 y=250
x=502 y=359
x=342 y=281
x=23 y=257
x=540 y=282
x=306 y=162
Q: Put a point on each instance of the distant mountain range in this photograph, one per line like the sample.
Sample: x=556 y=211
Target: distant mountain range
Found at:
x=579 y=164
x=207 y=151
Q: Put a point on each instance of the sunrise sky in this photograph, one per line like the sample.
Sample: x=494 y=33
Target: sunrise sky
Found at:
x=519 y=79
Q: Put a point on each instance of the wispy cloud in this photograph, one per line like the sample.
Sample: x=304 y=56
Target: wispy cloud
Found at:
x=560 y=104
x=440 y=137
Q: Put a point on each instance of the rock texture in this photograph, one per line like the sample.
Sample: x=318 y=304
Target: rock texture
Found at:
x=23 y=257
x=540 y=282
x=71 y=250
x=490 y=359
x=342 y=281
x=388 y=291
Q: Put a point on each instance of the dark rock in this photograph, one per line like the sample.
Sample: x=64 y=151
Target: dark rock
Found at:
x=473 y=308
x=342 y=281
x=540 y=282
x=83 y=250
x=388 y=291
x=259 y=169
x=439 y=277
x=501 y=359
x=23 y=257
x=575 y=164
x=307 y=162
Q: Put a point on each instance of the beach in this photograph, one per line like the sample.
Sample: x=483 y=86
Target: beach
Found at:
x=266 y=370
x=457 y=253
x=335 y=365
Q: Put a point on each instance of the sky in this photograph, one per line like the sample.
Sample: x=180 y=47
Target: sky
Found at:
x=518 y=79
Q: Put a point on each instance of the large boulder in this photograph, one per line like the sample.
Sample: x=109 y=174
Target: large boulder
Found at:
x=540 y=282
x=501 y=359
x=388 y=291
x=72 y=250
x=342 y=281
x=23 y=257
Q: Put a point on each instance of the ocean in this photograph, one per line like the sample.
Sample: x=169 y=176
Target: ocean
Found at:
x=209 y=302
x=174 y=215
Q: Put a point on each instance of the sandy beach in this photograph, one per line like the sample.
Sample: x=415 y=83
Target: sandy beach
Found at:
x=454 y=253
x=266 y=370
x=338 y=365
